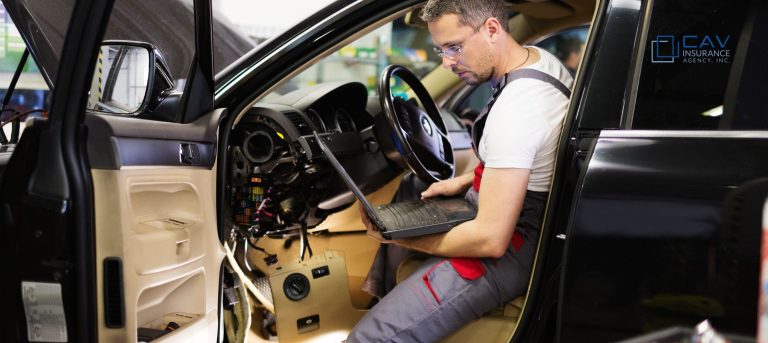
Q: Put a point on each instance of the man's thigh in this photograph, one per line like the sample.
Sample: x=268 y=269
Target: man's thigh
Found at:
x=437 y=300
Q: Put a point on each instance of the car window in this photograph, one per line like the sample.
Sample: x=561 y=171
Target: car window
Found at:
x=566 y=45
x=698 y=57
x=471 y=106
x=365 y=58
x=31 y=92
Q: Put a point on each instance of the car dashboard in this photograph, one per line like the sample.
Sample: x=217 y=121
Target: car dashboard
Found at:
x=278 y=179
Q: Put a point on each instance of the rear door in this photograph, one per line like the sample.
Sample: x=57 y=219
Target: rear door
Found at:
x=46 y=204
x=661 y=233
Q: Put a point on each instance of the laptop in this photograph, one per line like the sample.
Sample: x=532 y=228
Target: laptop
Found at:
x=410 y=218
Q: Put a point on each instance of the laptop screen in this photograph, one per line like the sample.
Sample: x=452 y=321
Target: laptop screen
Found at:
x=347 y=180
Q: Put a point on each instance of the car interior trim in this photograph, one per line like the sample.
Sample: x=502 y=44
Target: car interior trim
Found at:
x=160 y=207
x=112 y=139
x=130 y=127
x=542 y=9
x=136 y=152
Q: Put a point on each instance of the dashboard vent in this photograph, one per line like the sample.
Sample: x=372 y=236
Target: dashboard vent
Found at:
x=299 y=122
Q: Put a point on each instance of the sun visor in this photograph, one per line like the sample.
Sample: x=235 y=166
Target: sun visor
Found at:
x=413 y=18
x=542 y=9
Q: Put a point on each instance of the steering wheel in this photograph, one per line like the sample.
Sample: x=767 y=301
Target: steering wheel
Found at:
x=419 y=135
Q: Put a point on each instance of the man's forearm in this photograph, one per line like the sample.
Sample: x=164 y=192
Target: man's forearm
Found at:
x=466 y=240
x=489 y=234
x=467 y=179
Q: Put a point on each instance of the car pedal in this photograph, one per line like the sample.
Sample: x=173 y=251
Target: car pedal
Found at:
x=264 y=290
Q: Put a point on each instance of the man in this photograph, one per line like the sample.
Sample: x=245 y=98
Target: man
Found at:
x=485 y=262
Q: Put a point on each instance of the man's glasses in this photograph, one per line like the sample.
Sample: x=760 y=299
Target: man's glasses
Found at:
x=450 y=52
x=453 y=51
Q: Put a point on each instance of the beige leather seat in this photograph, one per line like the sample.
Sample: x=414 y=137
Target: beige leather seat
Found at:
x=497 y=326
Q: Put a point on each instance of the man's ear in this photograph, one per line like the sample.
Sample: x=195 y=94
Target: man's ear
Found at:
x=494 y=28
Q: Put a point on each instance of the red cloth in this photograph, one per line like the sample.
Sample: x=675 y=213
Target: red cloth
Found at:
x=517 y=241
x=478 y=177
x=468 y=268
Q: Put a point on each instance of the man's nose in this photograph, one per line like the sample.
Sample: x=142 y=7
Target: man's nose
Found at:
x=448 y=63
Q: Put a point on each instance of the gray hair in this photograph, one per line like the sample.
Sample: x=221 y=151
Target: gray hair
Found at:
x=471 y=12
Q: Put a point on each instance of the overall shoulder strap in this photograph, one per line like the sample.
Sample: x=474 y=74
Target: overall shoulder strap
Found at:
x=541 y=76
x=479 y=124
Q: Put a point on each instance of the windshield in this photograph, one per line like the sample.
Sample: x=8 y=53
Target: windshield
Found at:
x=364 y=59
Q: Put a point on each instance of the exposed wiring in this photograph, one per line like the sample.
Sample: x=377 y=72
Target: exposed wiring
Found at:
x=304 y=240
x=263 y=203
x=270 y=259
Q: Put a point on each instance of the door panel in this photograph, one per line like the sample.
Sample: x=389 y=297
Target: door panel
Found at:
x=652 y=243
x=156 y=215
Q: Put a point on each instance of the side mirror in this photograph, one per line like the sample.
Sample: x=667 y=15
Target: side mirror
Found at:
x=123 y=79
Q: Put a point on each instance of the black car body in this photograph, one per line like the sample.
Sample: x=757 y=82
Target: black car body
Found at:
x=653 y=221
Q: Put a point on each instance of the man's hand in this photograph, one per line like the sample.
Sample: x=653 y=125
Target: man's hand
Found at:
x=370 y=227
x=450 y=187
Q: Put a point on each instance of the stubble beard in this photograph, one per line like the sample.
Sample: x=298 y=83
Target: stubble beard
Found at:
x=485 y=64
x=477 y=79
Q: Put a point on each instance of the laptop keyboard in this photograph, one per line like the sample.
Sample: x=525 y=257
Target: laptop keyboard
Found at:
x=414 y=214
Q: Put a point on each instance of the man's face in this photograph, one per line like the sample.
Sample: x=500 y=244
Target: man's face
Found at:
x=474 y=62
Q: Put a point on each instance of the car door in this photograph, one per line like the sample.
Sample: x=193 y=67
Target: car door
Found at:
x=110 y=221
x=664 y=157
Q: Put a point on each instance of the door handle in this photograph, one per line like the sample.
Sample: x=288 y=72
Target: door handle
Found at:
x=188 y=154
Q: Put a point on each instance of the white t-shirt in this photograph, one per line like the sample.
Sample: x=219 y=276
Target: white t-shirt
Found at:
x=524 y=124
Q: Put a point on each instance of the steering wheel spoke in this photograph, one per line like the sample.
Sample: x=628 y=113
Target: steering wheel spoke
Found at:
x=443 y=134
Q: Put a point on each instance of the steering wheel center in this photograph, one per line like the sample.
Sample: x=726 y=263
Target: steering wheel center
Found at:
x=426 y=126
